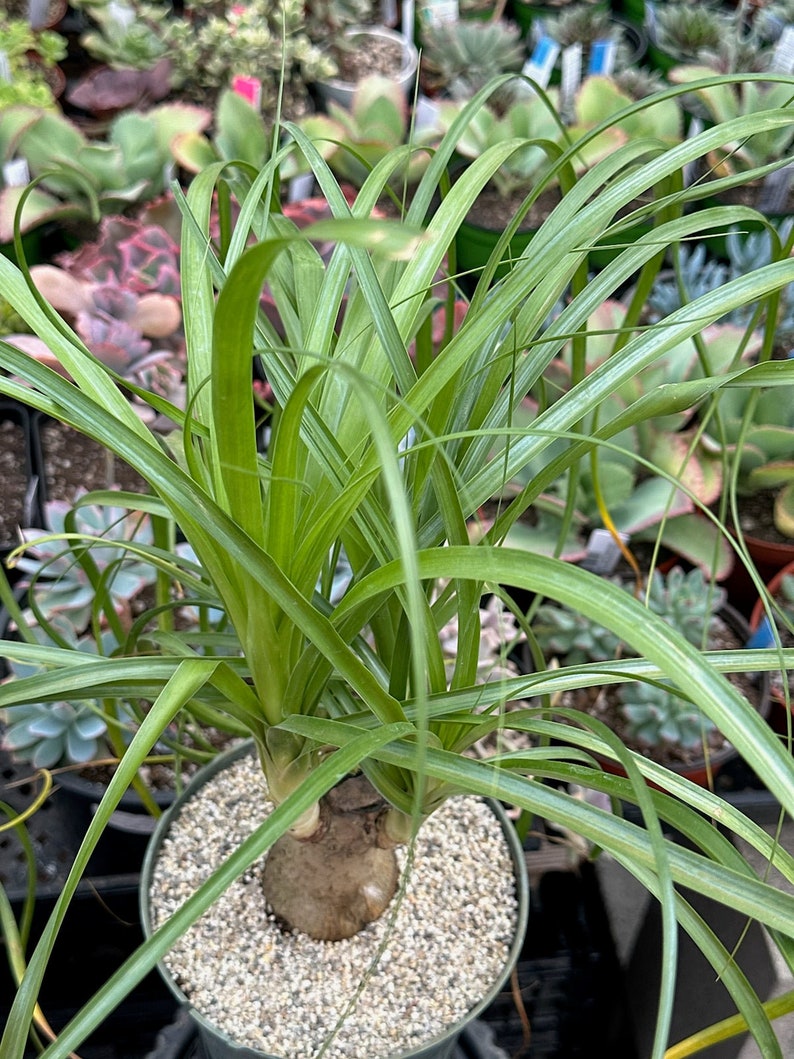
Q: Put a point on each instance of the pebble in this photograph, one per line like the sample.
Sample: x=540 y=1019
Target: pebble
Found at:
x=285 y=993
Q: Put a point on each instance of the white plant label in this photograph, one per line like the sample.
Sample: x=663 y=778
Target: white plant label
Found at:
x=783 y=55
x=571 y=74
x=5 y=67
x=16 y=173
x=541 y=62
x=651 y=26
x=38 y=10
x=603 y=552
x=690 y=169
x=426 y=114
x=300 y=187
x=437 y=12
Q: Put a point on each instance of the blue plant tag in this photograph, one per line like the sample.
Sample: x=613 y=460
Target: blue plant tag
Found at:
x=764 y=635
x=602 y=57
x=541 y=62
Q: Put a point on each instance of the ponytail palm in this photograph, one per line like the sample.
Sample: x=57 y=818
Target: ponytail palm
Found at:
x=381 y=452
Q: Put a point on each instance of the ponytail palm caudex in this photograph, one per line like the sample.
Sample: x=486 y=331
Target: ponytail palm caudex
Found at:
x=382 y=452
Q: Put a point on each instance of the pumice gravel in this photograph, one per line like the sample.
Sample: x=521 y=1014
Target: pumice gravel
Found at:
x=436 y=953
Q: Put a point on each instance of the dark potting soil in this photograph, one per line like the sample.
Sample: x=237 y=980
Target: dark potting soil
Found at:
x=357 y=59
x=757 y=519
x=14 y=478
x=493 y=210
x=73 y=461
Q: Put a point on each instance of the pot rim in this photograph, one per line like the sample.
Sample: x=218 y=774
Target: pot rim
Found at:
x=410 y=60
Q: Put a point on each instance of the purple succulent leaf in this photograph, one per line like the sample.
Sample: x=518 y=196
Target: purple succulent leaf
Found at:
x=114 y=342
x=150 y=262
x=117 y=302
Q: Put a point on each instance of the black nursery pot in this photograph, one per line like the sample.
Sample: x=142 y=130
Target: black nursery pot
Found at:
x=20 y=473
x=122 y=847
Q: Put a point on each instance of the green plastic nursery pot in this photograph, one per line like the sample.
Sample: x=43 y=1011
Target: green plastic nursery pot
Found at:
x=633 y=10
x=216 y=1043
x=475 y=244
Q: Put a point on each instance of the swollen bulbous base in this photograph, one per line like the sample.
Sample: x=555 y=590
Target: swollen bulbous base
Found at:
x=332 y=884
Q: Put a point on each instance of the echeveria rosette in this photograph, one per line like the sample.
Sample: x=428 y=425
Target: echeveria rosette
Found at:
x=48 y=734
x=137 y=257
x=121 y=294
x=656 y=716
x=61 y=585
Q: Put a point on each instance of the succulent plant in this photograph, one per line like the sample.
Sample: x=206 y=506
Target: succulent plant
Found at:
x=53 y=733
x=628 y=483
x=527 y=118
x=766 y=456
x=566 y=634
x=654 y=714
x=121 y=38
x=684 y=30
x=599 y=98
x=768 y=20
x=211 y=42
x=637 y=82
x=325 y=18
x=459 y=58
x=744 y=55
x=122 y=295
x=82 y=178
x=698 y=272
x=58 y=582
x=47 y=734
x=377 y=123
x=687 y=601
x=579 y=24
x=726 y=101
x=239 y=133
x=62 y=607
x=105 y=90
x=499 y=634
x=29 y=54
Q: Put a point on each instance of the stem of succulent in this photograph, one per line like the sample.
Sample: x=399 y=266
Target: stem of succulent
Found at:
x=340 y=877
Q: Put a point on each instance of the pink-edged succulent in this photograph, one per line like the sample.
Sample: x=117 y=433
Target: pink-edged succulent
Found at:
x=121 y=294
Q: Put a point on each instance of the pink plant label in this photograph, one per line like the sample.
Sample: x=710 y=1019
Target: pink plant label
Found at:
x=250 y=88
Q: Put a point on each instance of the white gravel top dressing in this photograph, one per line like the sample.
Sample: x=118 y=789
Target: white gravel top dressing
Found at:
x=284 y=993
